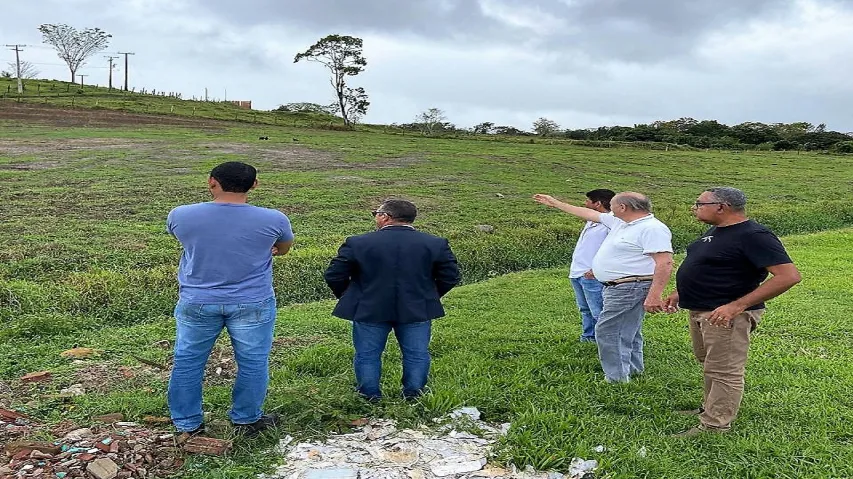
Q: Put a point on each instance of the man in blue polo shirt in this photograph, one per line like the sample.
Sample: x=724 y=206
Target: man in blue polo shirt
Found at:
x=225 y=279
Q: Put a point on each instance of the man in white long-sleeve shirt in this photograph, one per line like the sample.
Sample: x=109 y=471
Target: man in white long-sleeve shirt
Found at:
x=587 y=288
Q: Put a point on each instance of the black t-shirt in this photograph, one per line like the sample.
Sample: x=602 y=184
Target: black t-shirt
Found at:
x=726 y=264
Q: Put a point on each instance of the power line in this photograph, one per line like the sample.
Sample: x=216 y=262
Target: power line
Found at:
x=52 y=64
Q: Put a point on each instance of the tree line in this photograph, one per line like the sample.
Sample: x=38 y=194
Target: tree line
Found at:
x=343 y=57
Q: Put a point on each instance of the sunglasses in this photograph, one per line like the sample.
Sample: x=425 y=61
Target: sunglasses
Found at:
x=379 y=212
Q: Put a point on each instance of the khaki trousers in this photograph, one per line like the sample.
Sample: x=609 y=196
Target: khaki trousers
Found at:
x=722 y=351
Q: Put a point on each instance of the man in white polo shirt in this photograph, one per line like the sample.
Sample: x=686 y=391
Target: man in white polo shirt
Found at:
x=635 y=264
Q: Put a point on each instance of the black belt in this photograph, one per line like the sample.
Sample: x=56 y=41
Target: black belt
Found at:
x=627 y=279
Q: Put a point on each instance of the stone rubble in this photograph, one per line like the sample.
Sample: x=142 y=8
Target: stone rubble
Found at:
x=108 y=451
x=381 y=451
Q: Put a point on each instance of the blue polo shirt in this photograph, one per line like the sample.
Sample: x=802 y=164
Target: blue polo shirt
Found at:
x=227 y=257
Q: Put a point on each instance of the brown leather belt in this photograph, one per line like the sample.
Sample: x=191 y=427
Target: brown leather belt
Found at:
x=627 y=279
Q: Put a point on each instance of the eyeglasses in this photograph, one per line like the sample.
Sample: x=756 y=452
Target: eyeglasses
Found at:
x=702 y=203
x=380 y=212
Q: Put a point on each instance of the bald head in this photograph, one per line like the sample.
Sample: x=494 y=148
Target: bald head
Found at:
x=633 y=201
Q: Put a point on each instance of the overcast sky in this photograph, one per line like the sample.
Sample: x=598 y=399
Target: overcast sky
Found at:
x=582 y=63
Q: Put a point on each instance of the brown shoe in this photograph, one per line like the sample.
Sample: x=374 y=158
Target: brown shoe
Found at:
x=690 y=412
x=698 y=431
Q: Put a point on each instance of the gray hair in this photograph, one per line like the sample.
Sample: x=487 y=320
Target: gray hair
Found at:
x=634 y=201
x=735 y=198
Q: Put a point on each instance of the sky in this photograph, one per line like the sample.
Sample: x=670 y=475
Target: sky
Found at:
x=581 y=63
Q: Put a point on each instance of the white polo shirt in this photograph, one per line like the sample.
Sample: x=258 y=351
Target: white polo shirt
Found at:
x=626 y=250
x=590 y=239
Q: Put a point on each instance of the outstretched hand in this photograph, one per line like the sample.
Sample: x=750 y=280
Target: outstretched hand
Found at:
x=547 y=200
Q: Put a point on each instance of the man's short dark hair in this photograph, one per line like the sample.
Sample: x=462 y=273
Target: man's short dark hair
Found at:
x=400 y=210
x=602 y=195
x=235 y=177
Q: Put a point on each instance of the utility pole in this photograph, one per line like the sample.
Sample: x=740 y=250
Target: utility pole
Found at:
x=110 y=59
x=81 y=79
x=17 y=49
x=125 y=66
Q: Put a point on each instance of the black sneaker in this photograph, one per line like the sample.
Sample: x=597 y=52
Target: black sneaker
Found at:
x=265 y=422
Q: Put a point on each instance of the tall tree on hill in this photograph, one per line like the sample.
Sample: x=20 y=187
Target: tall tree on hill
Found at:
x=74 y=46
x=342 y=55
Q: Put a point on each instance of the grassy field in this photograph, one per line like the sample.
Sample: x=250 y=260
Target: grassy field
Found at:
x=509 y=347
x=84 y=208
x=85 y=261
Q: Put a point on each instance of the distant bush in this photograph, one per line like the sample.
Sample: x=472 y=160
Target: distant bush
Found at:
x=844 y=147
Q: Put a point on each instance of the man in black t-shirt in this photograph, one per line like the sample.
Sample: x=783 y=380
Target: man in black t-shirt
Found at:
x=722 y=284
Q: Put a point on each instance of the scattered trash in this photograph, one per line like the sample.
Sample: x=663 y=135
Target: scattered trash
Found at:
x=470 y=412
x=580 y=467
x=600 y=449
x=72 y=391
x=485 y=228
x=99 y=452
x=499 y=195
x=643 y=452
x=379 y=450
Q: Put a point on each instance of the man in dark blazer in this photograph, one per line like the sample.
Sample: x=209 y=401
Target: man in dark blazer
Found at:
x=392 y=278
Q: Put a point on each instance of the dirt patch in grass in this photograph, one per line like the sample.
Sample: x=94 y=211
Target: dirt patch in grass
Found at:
x=71 y=117
x=281 y=157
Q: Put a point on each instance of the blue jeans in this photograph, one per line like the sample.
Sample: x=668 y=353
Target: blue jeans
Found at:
x=250 y=326
x=588 y=296
x=619 y=330
x=369 y=340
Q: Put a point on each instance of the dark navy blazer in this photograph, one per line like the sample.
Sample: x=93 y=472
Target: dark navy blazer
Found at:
x=396 y=274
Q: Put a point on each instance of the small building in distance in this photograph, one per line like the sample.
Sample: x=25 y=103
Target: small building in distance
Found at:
x=247 y=104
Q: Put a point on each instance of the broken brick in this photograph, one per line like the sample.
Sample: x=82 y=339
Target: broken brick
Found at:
x=10 y=416
x=207 y=445
x=156 y=420
x=110 y=418
x=14 y=447
x=38 y=377
x=103 y=468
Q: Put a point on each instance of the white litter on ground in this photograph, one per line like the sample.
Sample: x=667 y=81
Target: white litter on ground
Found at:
x=381 y=451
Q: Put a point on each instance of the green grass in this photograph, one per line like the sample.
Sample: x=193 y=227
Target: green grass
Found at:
x=85 y=262
x=68 y=95
x=509 y=347
x=83 y=208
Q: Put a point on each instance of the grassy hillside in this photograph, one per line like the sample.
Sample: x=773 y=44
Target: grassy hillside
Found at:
x=67 y=95
x=509 y=347
x=84 y=208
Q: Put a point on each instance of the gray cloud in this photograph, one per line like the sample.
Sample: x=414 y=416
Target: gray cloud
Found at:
x=583 y=63
x=632 y=30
